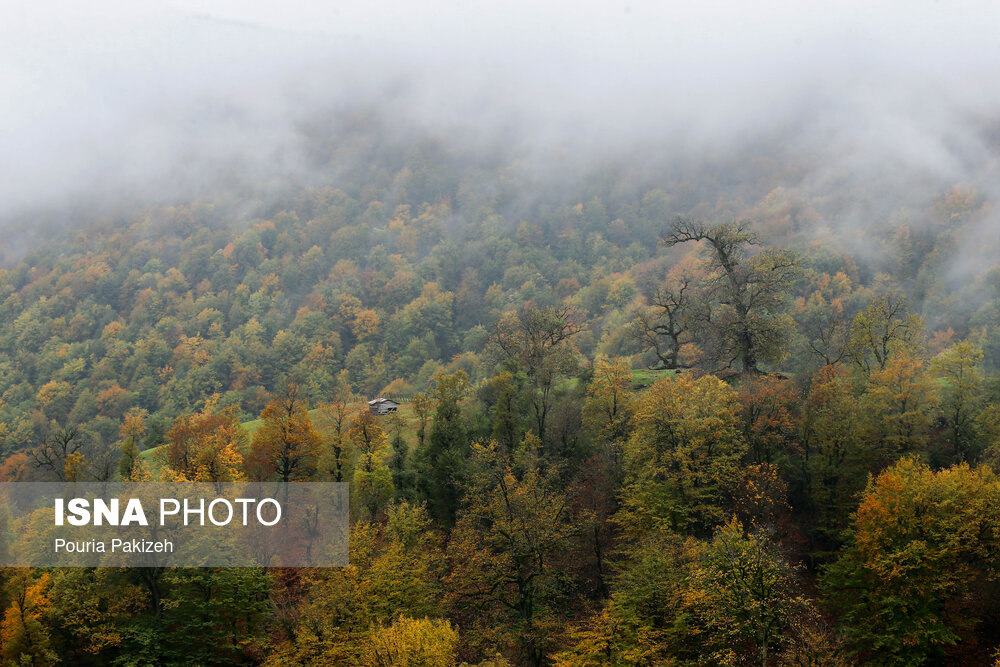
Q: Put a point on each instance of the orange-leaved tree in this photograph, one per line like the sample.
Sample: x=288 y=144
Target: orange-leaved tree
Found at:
x=286 y=445
x=207 y=446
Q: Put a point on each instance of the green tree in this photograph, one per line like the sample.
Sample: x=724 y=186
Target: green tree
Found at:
x=372 y=477
x=508 y=408
x=733 y=600
x=881 y=330
x=744 y=595
x=836 y=457
x=958 y=371
x=442 y=461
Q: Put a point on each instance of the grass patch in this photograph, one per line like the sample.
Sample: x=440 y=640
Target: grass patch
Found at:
x=153 y=459
x=644 y=377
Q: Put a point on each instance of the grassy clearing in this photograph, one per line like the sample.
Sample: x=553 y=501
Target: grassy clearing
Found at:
x=643 y=377
x=153 y=459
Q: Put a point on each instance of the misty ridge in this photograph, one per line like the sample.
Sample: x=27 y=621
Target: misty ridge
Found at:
x=859 y=125
x=870 y=122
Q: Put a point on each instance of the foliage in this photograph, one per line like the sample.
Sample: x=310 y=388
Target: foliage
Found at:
x=683 y=459
x=747 y=292
x=508 y=550
x=923 y=544
x=412 y=642
x=372 y=477
x=540 y=497
x=285 y=445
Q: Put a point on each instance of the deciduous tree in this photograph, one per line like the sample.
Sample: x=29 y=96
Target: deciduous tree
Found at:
x=958 y=369
x=923 y=545
x=506 y=550
x=882 y=329
x=683 y=460
x=537 y=340
x=286 y=444
x=748 y=291
x=372 y=477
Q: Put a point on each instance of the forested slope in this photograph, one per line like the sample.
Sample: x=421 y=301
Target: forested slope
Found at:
x=811 y=479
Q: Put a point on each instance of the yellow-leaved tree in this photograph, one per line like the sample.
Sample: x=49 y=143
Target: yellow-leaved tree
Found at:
x=412 y=642
x=682 y=462
x=24 y=635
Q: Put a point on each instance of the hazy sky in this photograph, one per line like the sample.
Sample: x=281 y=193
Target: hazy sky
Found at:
x=107 y=95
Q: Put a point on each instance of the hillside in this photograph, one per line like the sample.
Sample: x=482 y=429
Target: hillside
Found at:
x=641 y=392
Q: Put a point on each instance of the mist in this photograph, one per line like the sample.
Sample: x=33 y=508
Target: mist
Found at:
x=113 y=103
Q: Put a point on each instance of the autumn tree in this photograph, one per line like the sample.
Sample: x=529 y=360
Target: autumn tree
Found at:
x=92 y=609
x=824 y=318
x=395 y=570
x=881 y=330
x=899 y=400
x=608 y=409
x=768 y=406
x=130 y=432
x=412 y=642
x=683 y=459
x=25 y=638
x=207 y=446
x=537 y=340
x=923 y=546
x=507 y=549
x=748 y=290
x=285 y=444
x=16 y=468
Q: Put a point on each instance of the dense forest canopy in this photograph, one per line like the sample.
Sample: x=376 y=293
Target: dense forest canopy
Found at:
x=404 y=263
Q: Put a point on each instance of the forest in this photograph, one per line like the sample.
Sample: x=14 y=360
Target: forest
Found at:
x=677 y=416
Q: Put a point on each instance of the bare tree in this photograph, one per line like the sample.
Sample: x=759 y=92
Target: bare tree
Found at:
x=748 y=291
x=52 y=455
x=664 y=326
